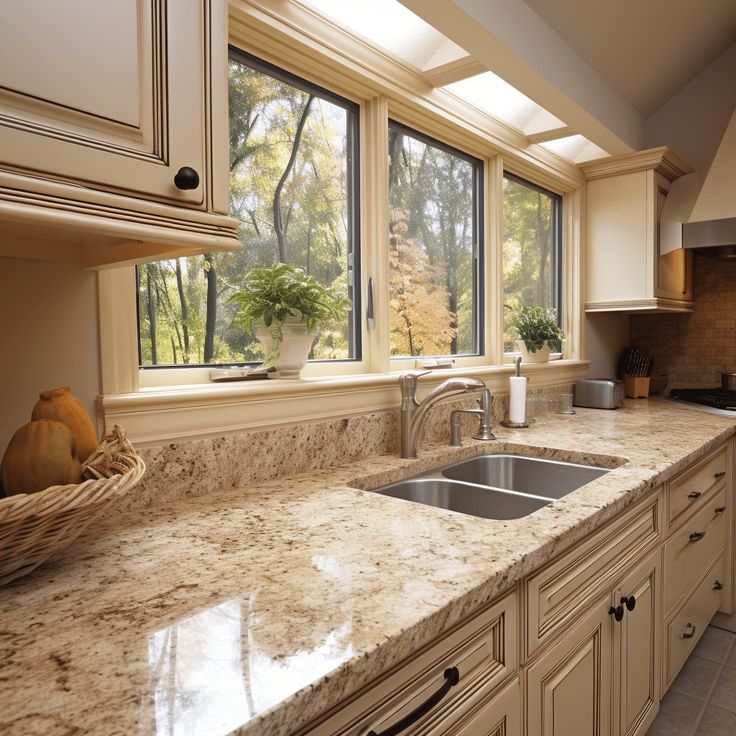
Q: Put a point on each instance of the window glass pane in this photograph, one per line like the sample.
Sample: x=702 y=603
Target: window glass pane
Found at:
x=531 y=250
x=434 y=193
x=293 y=174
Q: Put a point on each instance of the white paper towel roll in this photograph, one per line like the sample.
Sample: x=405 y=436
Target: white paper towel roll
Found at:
x=517 y=399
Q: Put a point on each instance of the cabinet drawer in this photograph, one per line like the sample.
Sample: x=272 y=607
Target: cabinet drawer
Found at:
x=685 y=627
x=689 y=550
x=484 y=651
x=693 y=484
x=499 y=715
x=559 y=592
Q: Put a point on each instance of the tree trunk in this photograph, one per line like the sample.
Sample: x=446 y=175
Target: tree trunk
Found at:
x=209 y=329
x=278 y=225
x=151 y=308
x=184 y=309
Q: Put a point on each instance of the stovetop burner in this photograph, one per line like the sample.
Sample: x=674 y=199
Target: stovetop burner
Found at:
x=718 y=398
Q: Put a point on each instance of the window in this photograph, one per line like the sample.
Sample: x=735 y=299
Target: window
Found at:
x=435 y=244
x=294 y=188
x=532 y=243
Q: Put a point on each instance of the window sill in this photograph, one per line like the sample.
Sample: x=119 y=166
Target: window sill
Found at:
x=158 y=415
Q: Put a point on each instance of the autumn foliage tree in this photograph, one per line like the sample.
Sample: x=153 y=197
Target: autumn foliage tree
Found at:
x=420 y=320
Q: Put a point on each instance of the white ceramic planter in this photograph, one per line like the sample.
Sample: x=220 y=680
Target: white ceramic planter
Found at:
x=541 y=356
x=295 y=346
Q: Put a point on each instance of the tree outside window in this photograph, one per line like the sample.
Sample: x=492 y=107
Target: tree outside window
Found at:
x=434 y=245
x=531 y=250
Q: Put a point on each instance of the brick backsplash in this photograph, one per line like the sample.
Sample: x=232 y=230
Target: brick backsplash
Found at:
x=694 y=348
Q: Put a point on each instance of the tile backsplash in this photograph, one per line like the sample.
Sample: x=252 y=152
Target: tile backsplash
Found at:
x=694 y=348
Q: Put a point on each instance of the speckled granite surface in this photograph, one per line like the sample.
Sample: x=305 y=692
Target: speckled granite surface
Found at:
x=252 y=612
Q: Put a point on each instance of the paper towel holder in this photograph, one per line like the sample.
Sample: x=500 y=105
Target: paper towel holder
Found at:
x=506 y=422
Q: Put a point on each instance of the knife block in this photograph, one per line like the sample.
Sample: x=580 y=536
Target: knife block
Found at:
x=636 y=387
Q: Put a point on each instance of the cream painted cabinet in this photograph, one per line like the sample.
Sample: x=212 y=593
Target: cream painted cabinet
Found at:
x=602 y=676
x=625 y=269
x=113 y=128
x=499 y=715
x=636 y=644
x=569 y=686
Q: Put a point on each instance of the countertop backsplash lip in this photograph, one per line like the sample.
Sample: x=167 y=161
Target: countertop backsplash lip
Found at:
x=313 y=577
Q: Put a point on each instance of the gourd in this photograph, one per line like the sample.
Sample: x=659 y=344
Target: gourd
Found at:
x=40 y=454
x=64 y=407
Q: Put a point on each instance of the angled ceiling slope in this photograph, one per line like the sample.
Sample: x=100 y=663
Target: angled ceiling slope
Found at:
x=646 y=50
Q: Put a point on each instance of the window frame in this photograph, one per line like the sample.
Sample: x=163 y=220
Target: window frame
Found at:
x=479 y=253
x=299 y=42
x=353 y=252
x=558 y=255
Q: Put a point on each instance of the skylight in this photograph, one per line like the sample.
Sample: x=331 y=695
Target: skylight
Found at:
x=575 y=148
x=392 y=27
x=490 y=93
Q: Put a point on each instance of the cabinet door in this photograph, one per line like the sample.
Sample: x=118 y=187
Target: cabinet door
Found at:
x=636 y=647
x=569 y=686
x=673 y=269
x=106 y=94
x=498 y=716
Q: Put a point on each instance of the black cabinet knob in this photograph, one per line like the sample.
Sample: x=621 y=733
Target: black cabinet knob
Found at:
x=617 y=612
x=629 y=602
x=186 y=178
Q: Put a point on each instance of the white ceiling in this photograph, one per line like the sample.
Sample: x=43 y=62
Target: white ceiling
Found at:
x=646 y=49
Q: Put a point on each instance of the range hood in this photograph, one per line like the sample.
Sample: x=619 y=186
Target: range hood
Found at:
x=700 y=209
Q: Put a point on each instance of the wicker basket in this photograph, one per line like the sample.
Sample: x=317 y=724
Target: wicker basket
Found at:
x=33 y=526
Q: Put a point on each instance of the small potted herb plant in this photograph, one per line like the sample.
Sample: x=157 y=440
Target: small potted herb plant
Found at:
x=539 y=333
x=287 y=307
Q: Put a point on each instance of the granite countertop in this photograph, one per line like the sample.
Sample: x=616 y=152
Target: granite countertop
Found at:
x=252 y=611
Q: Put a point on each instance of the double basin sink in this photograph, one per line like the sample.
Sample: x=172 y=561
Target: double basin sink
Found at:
x=495 y=486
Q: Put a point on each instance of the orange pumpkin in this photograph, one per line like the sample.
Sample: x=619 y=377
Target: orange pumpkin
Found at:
x=40 y=454
x=64 y=407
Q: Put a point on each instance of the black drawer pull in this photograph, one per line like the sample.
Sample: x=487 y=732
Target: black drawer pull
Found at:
x=617 y=612
x=629 y=602
x=720 y=509
x=721 y=474
x=718 y=585
x=696 y=536
x=695 y=494
x=688 y=634
x=452 y=677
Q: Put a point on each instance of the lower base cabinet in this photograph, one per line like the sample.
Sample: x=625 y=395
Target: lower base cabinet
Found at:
x=498 y=716
x=568 y=687
x=601 y=678
x=637 y=647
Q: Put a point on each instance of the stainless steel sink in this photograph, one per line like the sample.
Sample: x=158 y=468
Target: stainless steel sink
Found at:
x=495 y=486
x=548 y=478
x=464 y=498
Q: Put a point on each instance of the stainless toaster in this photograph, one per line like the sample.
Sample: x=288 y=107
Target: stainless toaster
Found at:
x=599 y=393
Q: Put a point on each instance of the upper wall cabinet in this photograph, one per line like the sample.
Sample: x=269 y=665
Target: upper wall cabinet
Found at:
x=625 y=271
x=113 y=129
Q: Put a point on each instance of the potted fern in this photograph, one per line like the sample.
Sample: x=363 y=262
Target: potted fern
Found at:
x=287 y=307
x=539 y=333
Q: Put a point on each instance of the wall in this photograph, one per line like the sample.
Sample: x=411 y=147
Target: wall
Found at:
x=695 y=348
x=606 y=336
x=49 y=336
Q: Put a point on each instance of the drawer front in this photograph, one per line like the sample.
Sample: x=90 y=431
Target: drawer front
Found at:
x=484 y=651
x=690 y=486
x=690 y=549
x=499 y=715
x=558 y=593
x=687 y=625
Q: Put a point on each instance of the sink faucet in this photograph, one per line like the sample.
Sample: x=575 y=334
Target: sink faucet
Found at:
x=413 y=412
